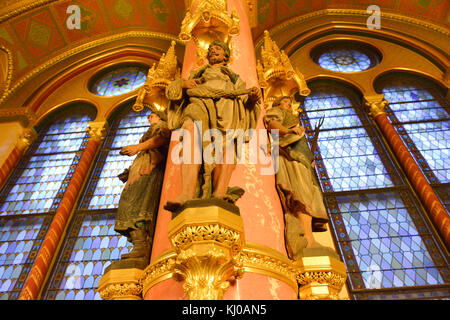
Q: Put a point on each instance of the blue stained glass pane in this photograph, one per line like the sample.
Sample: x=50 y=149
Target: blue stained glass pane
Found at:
x=394 y=95
x=344 y=60
x=37 y=187
x=323 y=100
x=351 y=160
x=418 y=111
x=17 y=238
x=386 y=243
x=109 y=187
x=97 y=244
x=337 y=110
x=412 y=101
x=432 y=139
x=120 y=81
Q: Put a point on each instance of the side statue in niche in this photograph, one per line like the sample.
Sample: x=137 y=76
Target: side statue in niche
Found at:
x=138 y=204
x=216 y=98
x=297 y=186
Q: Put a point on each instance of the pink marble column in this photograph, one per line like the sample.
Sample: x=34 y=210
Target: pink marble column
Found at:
x=260 y=206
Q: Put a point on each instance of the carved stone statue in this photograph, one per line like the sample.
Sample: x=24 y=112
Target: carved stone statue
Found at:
x=300 y=194
x=217 y=98
x=138 y=204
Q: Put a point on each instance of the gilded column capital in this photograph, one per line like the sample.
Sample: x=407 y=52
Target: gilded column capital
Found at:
x=98 y=130
x=377 y=105
x=26 y=138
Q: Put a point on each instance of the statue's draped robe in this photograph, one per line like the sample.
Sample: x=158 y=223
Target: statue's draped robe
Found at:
x=220 y=102
x=138 y=203
x=296 y=183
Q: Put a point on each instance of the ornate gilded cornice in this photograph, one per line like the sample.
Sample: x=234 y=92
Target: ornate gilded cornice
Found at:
x=69 y=53
x=24 y=8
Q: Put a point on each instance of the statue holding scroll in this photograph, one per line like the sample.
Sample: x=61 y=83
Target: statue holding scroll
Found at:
x=215 y=98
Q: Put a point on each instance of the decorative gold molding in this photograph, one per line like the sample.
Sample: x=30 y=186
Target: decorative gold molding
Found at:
x=92 y=44
x=320 y=278
x=206 y=22
x=263 y=260
x=121 y=284
x=24 y=8
x=98 y=130
x=157 y=271
x=121 y=291
x=25 y=115
x=9 y=72
x=362 y=13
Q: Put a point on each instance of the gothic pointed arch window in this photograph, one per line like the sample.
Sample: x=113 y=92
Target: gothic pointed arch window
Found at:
x=34 y=191
x=420 y=113
x=91 y=243
x=383 y=235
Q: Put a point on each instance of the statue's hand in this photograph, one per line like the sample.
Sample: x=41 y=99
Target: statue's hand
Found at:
x=189 y=84
x=129 y=150
x=255 y=94
x=298 y=130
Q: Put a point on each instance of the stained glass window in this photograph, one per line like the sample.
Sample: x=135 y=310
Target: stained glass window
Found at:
x=345 y=57
x=421 y=116
x=33 y=193
x=92 y=243
x=119 y=81
x=377 y=223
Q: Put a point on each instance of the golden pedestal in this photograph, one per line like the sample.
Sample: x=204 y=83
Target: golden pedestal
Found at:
x=121 y=284
x=207 y=240
x=320 y=277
